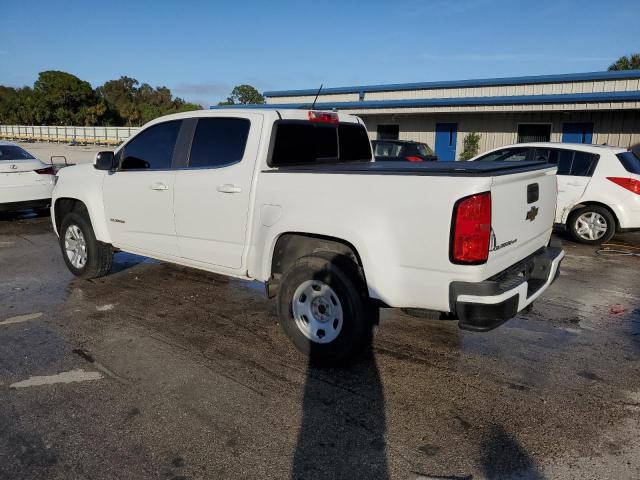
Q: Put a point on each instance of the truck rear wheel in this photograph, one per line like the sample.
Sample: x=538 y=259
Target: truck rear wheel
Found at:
x=84 y=255
x=325 y=310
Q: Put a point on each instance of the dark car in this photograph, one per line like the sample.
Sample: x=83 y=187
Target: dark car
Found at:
x=402 y=150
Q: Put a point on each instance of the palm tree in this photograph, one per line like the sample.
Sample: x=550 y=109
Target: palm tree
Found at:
x=632 y=62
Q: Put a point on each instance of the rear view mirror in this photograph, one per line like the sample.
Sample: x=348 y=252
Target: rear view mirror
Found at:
x=104 y=161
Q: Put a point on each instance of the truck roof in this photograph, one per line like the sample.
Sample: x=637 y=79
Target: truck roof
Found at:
x=270 y=113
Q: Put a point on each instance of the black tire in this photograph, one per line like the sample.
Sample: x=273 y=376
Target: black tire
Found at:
x=99 y=255
x=603 y=213
x=358 y=313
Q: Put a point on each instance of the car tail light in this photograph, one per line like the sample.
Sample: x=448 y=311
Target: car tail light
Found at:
x=630 y=184
x=471 y=229
x=46 y=171
x=414 y=159
x=323 y=117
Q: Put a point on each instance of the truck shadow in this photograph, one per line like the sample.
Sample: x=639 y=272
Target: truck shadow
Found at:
x=502 y=456
x=342 y=435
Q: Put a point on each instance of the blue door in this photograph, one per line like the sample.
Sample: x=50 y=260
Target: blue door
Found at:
x=577 y=132
x=446 y=136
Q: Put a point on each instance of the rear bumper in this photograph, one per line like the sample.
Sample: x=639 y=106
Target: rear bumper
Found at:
x=486 y=305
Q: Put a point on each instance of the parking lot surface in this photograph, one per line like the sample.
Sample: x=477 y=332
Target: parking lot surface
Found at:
x=73 y=154
x=159 y=371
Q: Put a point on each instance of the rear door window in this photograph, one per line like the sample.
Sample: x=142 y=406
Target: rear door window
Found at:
x=218 y=142
x=302 y=142
x=152 y=149
x=563 y=159
x=578 y=164
x=582 y=164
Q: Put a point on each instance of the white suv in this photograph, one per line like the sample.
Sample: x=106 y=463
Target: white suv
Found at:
x=598 y=185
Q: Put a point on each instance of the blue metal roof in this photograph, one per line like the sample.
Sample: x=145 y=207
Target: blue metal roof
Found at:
x=483 y=82
x=632 y=96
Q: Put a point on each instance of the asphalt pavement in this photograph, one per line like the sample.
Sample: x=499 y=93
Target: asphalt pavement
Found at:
x=159 y=371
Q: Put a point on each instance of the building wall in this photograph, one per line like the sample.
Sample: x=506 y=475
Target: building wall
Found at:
x=621 y=128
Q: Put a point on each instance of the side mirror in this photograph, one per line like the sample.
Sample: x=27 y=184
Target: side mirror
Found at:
x=104 y=161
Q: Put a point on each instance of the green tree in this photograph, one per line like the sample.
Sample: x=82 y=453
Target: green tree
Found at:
x=471 y=146
x=63 y=99
x=60 y=96
x=244 y=95
x=632 y=62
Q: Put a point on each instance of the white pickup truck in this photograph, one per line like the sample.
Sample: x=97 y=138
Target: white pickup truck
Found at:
x=294 y=199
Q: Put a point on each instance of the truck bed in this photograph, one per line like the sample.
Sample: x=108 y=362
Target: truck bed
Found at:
x=449 y=169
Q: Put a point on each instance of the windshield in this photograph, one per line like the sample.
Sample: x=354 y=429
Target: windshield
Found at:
x=505 y=155
x=14 y=152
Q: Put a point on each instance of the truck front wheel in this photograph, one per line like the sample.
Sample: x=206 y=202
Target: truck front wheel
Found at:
x=84 y=255
x=325 y=311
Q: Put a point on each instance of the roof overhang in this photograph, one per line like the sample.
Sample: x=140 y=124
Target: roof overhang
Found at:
x=559 y=99
x=482 y=82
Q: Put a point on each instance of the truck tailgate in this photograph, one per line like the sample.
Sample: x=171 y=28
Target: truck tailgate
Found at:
x=522 y=215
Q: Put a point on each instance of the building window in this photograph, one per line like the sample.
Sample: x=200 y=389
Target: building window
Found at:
x=534 y=132
x=388 y=132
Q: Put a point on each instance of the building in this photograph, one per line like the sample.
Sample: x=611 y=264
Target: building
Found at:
x=598 y=107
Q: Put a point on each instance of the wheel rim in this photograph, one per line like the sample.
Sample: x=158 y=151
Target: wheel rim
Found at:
x=317 y=311
x=591 y=226
x=75 y=246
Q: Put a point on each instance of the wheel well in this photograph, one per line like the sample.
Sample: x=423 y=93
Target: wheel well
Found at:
x=67 y=205
x=586 y=204
x=292 y=246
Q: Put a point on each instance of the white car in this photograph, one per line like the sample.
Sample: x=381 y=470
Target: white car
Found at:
x=598 y=185
x=294 y=199
x=25 y=181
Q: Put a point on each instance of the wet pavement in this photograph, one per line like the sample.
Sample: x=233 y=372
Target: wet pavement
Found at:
x=159 y=371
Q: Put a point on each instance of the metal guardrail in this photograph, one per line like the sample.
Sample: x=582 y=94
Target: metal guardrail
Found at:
x=67 y=134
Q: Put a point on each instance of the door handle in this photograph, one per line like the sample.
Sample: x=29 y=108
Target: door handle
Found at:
x=228 y=188
x=575 y=184
x=159 y=186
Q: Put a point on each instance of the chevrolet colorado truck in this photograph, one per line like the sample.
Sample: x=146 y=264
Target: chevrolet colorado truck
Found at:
x=293 y=198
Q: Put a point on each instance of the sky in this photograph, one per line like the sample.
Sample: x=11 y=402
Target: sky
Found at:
x=201 y=49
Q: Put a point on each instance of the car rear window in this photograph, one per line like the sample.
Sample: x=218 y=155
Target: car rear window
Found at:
x=14 y=152
x=387 y=149
x=630 y=161
x=302 y=142
x=424 y=149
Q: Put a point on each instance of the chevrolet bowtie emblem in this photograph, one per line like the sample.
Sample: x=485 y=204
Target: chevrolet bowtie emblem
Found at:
x=532 y=214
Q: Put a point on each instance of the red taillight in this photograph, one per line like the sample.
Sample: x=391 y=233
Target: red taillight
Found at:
x=471 y=229
x=46 y=171
x=630 y=184
x=323 y=117
x=414 y=159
